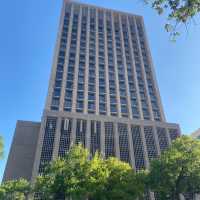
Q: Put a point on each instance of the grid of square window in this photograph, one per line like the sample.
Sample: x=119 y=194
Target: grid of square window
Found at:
x=138 y=147
x=148 y=71
x=95 y=139
x=109 y=139
x=48 y=143
x=173 y=133
x=72 y=61
x=150 y=142
x=65 y=137
x=124 y=142
x=162 y=138
x=76 y=130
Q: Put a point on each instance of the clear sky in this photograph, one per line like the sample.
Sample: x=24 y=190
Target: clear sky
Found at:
x=27 y=37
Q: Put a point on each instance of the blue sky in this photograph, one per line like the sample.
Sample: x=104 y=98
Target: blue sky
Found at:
x=27 y=38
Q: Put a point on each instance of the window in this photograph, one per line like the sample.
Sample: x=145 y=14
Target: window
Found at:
x=91 y=105
x=113 y=108
x=80 y=86
x=102 y=107
x=113 y=100
x=91 y=88
x=80 y=104
x=59 y=75
x=80 y=95
x=68 y=94
x=55 y=102
x=69 y=85
x=101 y=89
x=58 y=83
x=123 y=101
x=102 y=98
x=56 y=93
x=68 y=103
x=91 y=96
x=124 y=109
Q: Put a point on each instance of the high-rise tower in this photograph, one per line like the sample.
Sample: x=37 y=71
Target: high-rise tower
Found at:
x=102 y=91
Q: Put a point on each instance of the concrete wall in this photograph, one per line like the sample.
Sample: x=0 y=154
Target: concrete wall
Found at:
x=22 y=152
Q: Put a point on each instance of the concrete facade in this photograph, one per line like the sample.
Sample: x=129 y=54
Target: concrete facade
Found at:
x=21 y=157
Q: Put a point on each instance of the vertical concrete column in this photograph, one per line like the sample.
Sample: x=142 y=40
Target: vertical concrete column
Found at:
x=144 y=75
x=75 y=81
x=57 y=139
x=125 y=70
x=168 y=136
x=87 y=64
x=116 y=69
x=156 y=140
x=88 y=134
x=106 y=68
x=132 y=156
x=65 y=69
x=116 y=138
x=102 y=138
x=73 y=133
x=134 y=72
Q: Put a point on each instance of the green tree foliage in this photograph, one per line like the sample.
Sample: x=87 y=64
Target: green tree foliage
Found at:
x=123 y=183
x=1 y=147
x=65 y=177
x=178 y=12
x=15 y=190
x=78 y=177
x=177 y=170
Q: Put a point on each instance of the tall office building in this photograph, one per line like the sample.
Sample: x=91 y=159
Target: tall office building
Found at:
x=102 y=91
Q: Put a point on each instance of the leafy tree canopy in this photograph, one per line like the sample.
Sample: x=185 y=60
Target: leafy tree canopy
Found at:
x=15 y=190
x=79 y=177
x=179 y=12
x=177 y=170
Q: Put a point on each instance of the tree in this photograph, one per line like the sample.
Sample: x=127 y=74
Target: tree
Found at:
x=1 y=147
x=123 y=183
x=177 y=170
x=65 y=177
x=79 y=177
x=178 y=12
x=15 y=190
